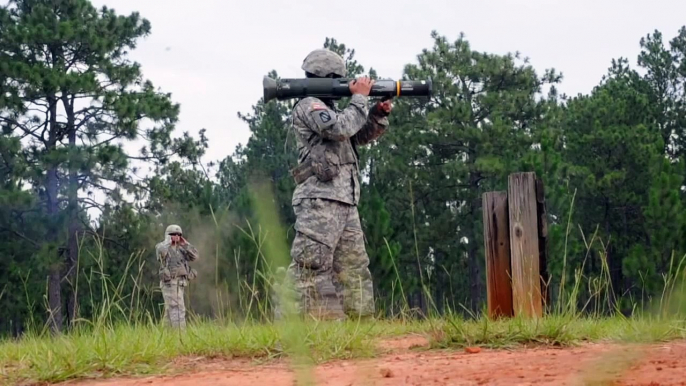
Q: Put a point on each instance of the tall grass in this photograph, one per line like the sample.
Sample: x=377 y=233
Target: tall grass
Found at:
x=123 y=334
x=593 y=316
x=145 y=348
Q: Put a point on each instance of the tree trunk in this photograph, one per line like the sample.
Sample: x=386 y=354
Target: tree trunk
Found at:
x=72 y=258
x=55 y=299
x=440 y=283
x=421 y=302
x=55 y=271
x=474 y=274
x=17 y=326
x=614 y=260
x=72 y=243
x=475 y=287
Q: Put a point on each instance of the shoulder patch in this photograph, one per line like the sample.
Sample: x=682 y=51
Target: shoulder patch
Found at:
x=323 y=118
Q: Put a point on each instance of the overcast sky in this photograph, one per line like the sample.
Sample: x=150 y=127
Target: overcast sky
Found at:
x=212 y=54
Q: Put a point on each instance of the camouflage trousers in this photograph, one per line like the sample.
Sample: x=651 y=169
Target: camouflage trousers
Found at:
x=329 y=270
x=174 y=306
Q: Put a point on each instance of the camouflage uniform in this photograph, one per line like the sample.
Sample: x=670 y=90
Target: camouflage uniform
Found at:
x=329 y=267
x=174 y=275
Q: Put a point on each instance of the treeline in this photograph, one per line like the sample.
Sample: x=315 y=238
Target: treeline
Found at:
x=611 y=161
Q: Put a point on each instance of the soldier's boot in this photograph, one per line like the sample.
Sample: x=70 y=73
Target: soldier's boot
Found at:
x=328 y=302
x=318 y=297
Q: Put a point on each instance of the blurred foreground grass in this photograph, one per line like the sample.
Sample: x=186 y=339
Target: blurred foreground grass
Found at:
x=149 y=349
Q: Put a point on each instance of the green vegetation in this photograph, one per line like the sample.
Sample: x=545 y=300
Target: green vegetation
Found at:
x=557 y=330
x=143 y=349
x=79 y=295
x=128 y=341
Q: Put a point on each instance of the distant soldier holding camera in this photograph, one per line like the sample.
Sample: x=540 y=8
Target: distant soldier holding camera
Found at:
x=174 y=253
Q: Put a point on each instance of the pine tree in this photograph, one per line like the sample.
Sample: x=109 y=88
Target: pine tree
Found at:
x=71 y=94
x=480 y=122
x=665 y=78
x=611 y=145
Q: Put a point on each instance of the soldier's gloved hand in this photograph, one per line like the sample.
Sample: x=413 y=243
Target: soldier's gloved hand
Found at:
x=182 y=241
x=384 y=107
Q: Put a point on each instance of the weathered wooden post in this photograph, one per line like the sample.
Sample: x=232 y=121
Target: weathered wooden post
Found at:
x=515 y=244
x=497 y=251
x=524 y=245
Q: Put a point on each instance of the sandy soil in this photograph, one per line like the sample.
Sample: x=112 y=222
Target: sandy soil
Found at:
x=591 y=364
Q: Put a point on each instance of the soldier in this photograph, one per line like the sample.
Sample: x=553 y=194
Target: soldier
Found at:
x=174 y=253
x=329 y=268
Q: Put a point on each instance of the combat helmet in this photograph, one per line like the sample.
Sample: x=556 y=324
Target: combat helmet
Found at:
x=324 y=63
x=173 y=229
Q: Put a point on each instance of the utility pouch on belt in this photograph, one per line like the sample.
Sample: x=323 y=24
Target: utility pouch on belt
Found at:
x=192 y=274
x=165 y=274
x=316 y=163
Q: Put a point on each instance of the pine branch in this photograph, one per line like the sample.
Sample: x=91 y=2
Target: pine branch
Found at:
x=150 y=158
x=105 y=142
x=93 y=203
x=21 y=236
x=26 y=130
x=92 y=232
x=99 y=186
x=434 y=189
x=95 y=111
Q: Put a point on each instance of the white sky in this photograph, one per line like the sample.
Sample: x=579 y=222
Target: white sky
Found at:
x=212 y=54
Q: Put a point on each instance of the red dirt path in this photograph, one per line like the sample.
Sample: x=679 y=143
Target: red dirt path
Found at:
x=591 y=364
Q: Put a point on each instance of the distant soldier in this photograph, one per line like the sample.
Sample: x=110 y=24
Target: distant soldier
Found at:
x=174 y=253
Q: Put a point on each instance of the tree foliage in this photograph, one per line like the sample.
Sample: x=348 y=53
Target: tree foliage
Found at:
x=73 y=108
x=71 y=96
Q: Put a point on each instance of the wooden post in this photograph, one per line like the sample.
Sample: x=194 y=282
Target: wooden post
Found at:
x=526 y=285
x=497 y=251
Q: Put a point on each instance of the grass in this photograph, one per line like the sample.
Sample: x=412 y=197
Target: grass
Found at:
x=123 y=338
x=149 y=349
x=144 y=349
x=556 y=331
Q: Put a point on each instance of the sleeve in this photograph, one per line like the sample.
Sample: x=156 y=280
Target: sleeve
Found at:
x=329 y=124
x=190 y=251
x=374 y=127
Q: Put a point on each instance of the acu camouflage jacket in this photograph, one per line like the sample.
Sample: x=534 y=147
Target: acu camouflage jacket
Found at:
x=335 y=133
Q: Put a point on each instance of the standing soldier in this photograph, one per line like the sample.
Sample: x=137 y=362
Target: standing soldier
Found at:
x=329 y=268
x=174 y=253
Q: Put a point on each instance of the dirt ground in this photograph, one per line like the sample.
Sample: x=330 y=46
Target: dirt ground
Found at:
x=590 y=364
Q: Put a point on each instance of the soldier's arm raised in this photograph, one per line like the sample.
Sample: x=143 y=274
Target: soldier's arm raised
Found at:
x=375 y=127
x=329 y=124
x=190 y=251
